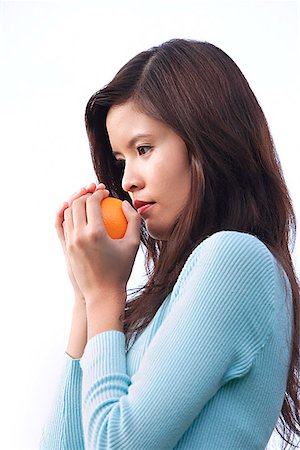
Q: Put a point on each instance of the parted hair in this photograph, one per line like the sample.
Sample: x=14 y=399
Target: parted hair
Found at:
x=237 y=181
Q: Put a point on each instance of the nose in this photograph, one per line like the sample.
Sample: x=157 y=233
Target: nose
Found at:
x=132 y=179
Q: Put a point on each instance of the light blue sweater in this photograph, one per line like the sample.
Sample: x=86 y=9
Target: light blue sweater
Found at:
x=209 y=372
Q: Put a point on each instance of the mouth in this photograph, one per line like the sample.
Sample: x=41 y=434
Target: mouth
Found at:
x=139 y=203
x=145 y=208
x=141 y=206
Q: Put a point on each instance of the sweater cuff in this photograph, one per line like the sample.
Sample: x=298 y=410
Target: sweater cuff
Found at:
x=70 y=358
x=105 y=354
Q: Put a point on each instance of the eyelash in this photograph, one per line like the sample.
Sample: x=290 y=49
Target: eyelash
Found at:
x=144 y=146
x=121 y=162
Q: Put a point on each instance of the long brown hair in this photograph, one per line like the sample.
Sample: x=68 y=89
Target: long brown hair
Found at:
x=237 y=181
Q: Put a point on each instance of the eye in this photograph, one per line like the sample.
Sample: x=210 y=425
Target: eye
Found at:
x=142 y=149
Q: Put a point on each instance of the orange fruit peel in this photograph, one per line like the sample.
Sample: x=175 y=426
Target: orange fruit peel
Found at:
x=113 y=217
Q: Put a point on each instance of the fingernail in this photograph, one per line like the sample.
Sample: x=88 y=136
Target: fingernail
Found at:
x=126 y=205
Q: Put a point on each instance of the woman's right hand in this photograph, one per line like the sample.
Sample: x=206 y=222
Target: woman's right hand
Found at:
x=59 y=225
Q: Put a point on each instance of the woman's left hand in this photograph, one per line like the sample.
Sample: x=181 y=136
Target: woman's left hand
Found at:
x=99 y=264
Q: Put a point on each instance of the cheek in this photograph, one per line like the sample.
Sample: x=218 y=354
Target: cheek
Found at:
x=186 y=183
x=169 y=181
x=160 y=223
x=176 y=176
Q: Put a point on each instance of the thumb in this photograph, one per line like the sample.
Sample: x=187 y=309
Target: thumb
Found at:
x=133 y=219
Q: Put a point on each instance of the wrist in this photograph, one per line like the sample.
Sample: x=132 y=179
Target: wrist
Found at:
x=105 y=312
x=106 y=298
x=78 y=333
x=79 y=298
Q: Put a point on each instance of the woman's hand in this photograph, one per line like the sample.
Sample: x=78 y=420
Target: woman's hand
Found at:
x=59 y=228
x=100 y=265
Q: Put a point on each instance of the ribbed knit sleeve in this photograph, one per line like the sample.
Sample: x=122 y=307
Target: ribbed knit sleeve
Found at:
x=221 y=316
x=64 y=428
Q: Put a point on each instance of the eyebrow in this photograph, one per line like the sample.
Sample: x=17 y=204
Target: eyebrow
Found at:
x=134 y=140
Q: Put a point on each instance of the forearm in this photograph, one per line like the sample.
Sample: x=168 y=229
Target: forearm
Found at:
x=78 y=333
x=107 y=314
x=63 y=429
x=64 y=426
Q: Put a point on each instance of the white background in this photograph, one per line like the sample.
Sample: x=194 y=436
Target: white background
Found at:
x=54 y=56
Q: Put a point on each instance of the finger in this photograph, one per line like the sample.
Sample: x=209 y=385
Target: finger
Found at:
x=77 y=194
x=100 y=186
x=134 y=221
x=92 y=187
x=84 y=190
x=68 y=226
x=59 y=219
x=93 y=209
x=79 y=212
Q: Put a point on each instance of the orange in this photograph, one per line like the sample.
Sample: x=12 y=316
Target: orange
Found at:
x=113 y=217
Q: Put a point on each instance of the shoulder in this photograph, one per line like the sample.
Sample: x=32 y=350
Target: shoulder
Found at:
x=225 y=248
x=229 y=284
x=230 y=258
x=232 y=244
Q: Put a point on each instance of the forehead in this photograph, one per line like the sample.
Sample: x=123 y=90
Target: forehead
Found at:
x=126 y=120
x=125 y=111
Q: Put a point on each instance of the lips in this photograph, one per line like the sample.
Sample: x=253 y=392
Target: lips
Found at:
x=139 y=203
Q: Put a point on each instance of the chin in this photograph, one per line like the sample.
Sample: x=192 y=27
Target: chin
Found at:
x=158 y=234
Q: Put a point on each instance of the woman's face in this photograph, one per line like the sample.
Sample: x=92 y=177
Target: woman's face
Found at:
x=156 y=166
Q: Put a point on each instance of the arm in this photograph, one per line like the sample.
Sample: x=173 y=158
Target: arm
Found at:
x=78 y=332
x=220 y=319
x=63 y=430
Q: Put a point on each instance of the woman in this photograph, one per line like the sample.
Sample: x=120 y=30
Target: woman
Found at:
x=206 y=354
